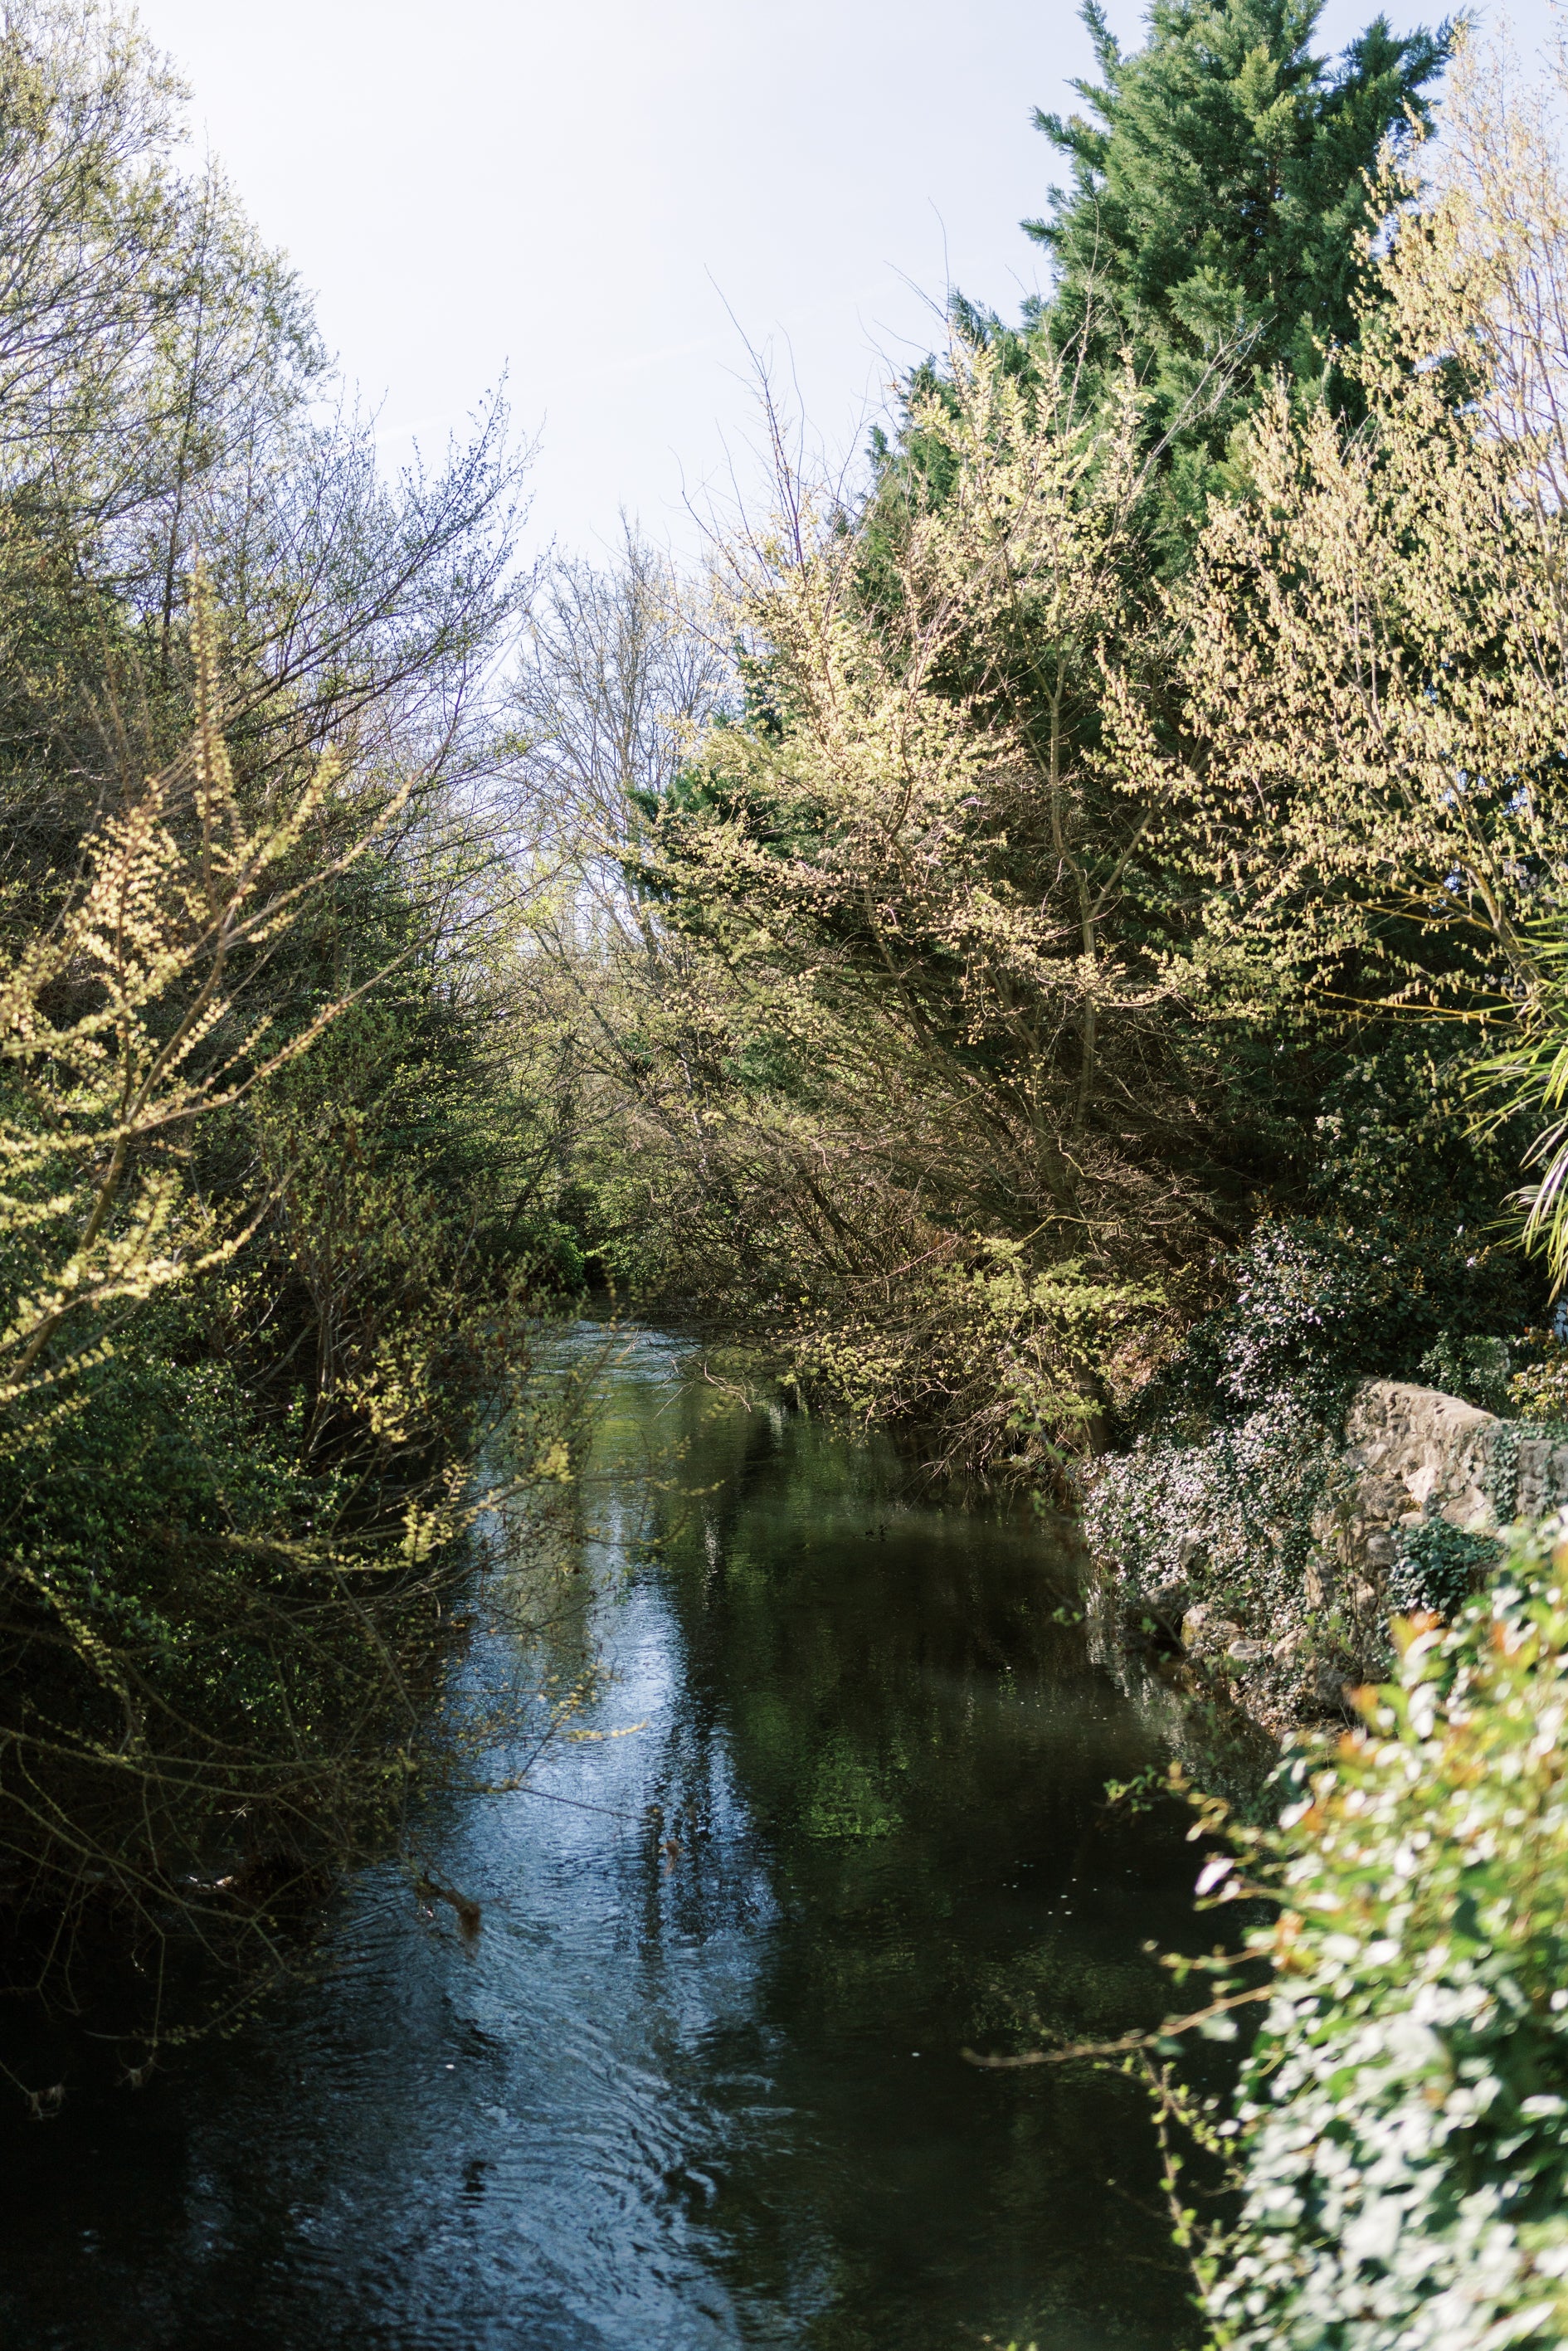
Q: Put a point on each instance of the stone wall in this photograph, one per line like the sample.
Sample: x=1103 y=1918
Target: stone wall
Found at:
x=1411 y=1455
x=1284 y=1621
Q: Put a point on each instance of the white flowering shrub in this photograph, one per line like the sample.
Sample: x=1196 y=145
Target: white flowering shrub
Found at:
x=1403 y=2117
x=1230 y=1515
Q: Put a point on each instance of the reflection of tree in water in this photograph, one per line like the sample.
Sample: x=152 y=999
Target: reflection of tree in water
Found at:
x=890 y=1739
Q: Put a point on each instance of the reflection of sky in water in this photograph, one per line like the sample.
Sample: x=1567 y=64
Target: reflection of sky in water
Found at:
x=696 y=2083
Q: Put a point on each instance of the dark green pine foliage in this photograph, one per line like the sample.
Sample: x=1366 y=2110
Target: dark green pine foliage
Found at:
x=1217 y=202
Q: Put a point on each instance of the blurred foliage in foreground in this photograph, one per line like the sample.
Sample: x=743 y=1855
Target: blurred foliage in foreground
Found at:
x=1401 y=2131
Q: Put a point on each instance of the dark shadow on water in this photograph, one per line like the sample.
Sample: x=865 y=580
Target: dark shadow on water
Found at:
x=697 y=2081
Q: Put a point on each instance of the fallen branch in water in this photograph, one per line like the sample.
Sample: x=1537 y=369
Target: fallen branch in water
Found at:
x=1126 y=2046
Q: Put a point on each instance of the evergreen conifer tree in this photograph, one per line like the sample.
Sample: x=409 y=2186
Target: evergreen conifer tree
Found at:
x=1211 y=227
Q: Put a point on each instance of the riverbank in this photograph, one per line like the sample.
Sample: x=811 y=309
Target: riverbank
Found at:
x=1274 y=1593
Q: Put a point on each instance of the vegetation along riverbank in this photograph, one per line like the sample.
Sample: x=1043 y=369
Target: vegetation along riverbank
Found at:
x=277 y=1188
x=1051 y=944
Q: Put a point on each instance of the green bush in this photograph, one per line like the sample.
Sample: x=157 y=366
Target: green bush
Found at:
x=1438 y=1567
x=1229 y=1516
x=1314 y=1305
x=1538 y=1390
x=1402 y=2121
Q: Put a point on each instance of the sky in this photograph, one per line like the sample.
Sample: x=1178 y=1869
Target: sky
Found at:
x=615 y=205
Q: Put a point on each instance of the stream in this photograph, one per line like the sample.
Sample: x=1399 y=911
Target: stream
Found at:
x=697 y=2081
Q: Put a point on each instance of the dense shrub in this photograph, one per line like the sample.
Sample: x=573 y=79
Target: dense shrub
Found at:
x=1438 y=1567
x=1313 y=1303
x=1538 y=1388
x=1230 y=1514
x=1478 y=1369
x=1403 y=2119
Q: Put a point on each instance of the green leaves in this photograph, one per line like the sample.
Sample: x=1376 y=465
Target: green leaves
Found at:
x=1404 y=2112
x=1216 y=206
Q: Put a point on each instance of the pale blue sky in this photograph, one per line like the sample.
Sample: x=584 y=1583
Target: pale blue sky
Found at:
x=583 y=193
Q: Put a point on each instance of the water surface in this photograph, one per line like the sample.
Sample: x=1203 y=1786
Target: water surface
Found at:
x=698 y=2082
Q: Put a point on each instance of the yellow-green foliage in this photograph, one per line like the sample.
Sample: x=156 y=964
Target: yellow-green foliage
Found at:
x=237 y=1416
x=125 y=1020
x=1020 y=925
x=877 y=1021
x=1371 y=778
x=273 y=1189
